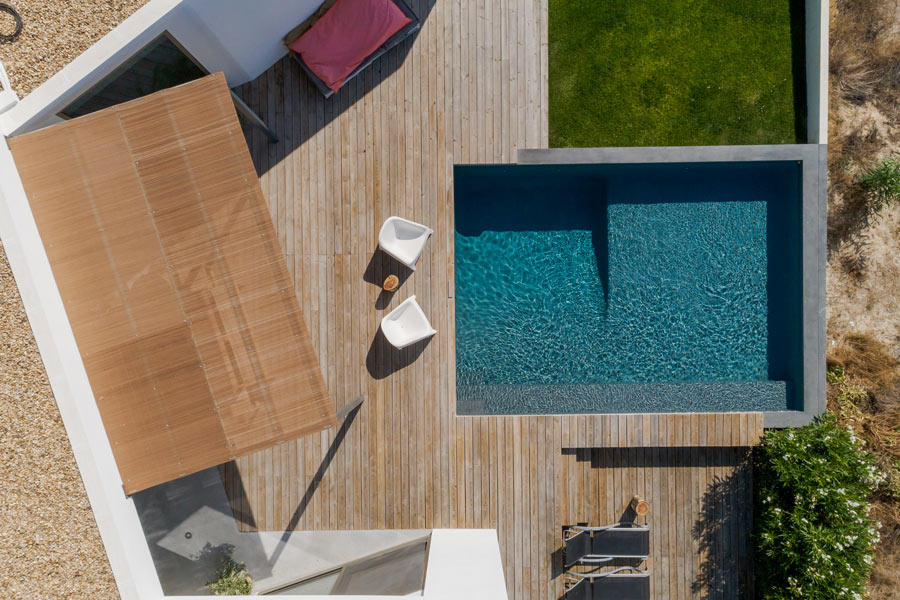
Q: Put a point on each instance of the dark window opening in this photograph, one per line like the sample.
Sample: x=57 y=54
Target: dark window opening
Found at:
x=159 y=65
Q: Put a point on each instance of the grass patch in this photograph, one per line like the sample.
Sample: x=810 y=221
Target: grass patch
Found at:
x=678 y=72
x=882 y=183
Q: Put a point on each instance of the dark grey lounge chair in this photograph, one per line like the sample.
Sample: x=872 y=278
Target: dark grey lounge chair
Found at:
x=594 y=545
x=408 y=29
x=577 y=545
x=614 y=585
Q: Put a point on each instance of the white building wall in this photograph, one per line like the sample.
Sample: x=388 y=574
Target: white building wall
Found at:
x=252 y=30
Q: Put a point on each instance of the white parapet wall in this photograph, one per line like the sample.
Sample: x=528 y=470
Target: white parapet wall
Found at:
x=239 y=38
x=464 y=564
x=817 y=71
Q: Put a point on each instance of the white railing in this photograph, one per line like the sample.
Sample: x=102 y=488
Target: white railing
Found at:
x=8 y=97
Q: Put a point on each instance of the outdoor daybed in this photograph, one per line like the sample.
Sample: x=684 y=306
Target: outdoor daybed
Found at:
x=343 y=37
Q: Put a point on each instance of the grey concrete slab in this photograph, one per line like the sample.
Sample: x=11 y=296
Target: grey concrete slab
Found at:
x=189 y=527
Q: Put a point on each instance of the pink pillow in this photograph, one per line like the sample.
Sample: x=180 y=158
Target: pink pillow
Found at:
x=350 y=31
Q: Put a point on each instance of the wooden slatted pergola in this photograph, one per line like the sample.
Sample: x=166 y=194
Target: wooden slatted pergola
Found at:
x=173 y=281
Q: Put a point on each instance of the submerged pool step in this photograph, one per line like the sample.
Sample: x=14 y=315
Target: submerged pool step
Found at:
x=724 y=396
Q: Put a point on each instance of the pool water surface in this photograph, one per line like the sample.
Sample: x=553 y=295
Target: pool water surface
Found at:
x=628 y=288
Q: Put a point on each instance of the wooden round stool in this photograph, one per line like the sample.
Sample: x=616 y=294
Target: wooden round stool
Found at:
x=391 y=283
x=640 y=506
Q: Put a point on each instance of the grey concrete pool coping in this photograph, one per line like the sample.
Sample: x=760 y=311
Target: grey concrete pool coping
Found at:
x=812 y=158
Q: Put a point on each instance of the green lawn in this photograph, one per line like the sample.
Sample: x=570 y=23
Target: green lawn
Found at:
x=676 y=72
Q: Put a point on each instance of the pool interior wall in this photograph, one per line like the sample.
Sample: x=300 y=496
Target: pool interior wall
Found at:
x=628 y=288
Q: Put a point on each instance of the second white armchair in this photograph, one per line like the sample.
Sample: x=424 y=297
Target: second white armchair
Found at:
x=406 y=324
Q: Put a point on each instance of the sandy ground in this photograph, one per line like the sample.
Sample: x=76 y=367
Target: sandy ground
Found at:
x=869 y=303
x=49 y=543
x=865 y=297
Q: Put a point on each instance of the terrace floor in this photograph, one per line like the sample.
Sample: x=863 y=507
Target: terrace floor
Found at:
x=471 y=87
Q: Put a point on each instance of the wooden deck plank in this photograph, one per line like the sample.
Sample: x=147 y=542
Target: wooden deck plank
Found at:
x=386 y=144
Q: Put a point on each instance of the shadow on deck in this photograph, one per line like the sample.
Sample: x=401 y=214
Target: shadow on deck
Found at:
x=284 y=91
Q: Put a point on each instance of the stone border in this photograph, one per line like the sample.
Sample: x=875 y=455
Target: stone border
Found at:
x=813 y=160
x=816 y=19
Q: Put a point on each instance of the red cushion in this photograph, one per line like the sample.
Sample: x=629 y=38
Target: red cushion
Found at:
x=350 y=31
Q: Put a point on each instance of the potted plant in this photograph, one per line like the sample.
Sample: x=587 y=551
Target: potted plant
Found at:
x=232 y=579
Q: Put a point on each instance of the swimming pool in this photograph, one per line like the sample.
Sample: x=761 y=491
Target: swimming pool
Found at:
x=628 y=287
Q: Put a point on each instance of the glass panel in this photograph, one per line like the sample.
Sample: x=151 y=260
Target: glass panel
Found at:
x=160 y=65
x=395 y=573
x=317 y=586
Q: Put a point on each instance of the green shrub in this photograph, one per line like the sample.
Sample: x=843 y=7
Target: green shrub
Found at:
x=882 y=183
x=835 y=374
x=232 y=579
x=852 y=393
x=813 y=537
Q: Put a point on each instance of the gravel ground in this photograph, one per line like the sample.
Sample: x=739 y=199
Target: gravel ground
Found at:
x=49 y=543
x=54 y=32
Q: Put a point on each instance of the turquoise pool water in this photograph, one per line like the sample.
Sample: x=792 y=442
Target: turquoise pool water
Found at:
x=628 y=288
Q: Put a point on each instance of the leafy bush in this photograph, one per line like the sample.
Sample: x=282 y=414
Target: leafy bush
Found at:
x=835 y=374
x=850 y=397
x=850 y=394
x=862 y=391
x=882 y=183
x=813 y=537
x=232 y=579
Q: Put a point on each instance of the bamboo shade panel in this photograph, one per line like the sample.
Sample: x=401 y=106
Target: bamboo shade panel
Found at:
x=165 y=256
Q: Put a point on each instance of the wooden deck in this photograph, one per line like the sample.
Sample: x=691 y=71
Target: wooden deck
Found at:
x=700 y=514
x=470 y=88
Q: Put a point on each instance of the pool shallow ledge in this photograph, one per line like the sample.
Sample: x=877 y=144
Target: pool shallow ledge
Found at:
x=812 y=158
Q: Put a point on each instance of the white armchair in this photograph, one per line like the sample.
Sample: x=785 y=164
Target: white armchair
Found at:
x=406 y=324
x=404 y=240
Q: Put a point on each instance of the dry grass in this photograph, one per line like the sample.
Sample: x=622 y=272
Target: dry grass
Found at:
x=864 y=51
x=883 y=583
x=854 y=78
x=865 y=397
x=869 y=361
x=849 y=207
